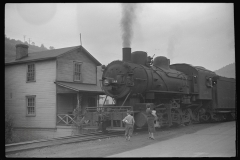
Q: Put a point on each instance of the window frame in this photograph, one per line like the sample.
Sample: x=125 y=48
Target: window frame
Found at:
x=195 y=79
x=27 y=113
x=34 y=80
x=79 y=72
x=209 y=82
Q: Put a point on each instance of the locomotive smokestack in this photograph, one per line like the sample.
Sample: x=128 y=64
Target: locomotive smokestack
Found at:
x=126 y=53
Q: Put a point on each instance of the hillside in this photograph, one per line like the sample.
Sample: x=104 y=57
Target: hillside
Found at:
x=10 y=53
x=227 y=71
x=10 y=48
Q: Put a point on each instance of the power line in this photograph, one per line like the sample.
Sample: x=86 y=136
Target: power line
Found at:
x=39 y=40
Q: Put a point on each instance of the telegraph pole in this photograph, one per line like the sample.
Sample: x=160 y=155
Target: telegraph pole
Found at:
x=80 y=40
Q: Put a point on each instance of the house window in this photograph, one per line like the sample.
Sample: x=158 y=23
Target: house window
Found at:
x=30 y=73
x=31 y=105
x=77 y=71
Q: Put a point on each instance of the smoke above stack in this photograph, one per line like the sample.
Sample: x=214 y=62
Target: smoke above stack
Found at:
x=127 y=21
x=174 y=40
x=171 y=46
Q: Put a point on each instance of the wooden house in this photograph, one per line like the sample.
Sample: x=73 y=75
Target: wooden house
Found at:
x=43 y=88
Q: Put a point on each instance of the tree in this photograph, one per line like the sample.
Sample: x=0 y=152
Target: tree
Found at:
x=43 y=47
x=51 y=47
x=33 y=43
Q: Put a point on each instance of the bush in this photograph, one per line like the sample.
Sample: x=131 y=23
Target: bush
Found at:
x=8 y=128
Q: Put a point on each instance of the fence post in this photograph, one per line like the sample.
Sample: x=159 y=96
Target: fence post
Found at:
x=67 y=119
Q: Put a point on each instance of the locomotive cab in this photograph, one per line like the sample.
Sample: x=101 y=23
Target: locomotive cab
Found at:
x=201 y=79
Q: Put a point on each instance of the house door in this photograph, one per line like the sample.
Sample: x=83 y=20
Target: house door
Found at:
x=92 y=102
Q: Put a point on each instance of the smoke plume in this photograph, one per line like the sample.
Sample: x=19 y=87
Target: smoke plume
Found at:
x=127 y=21
x=171 y=46
x=174 y=40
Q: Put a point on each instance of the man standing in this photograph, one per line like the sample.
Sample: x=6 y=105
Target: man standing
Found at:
x=129 y=122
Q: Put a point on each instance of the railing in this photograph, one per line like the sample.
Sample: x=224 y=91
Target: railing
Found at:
x=115 y=115
x=66 y=119
x=109 y=108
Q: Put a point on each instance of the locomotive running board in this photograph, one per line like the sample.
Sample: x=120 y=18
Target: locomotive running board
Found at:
x=156 y=91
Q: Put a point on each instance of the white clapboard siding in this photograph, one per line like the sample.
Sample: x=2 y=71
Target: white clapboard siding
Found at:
x=99 y=75
x=16 y=90
x=66 y=64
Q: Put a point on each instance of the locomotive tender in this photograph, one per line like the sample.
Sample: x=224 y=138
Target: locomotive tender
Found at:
x=180 y=93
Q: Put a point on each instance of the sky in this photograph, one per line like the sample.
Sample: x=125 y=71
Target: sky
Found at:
x=200 y=34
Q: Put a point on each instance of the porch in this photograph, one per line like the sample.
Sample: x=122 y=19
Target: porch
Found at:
x=68 y=113
x=72 y=99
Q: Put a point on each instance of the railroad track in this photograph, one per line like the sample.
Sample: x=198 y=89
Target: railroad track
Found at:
x=16 y=147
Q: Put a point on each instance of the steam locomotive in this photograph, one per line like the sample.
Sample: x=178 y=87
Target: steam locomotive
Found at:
x=180 y=93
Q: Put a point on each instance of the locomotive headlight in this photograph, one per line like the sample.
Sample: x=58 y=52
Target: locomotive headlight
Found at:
x=106 y=82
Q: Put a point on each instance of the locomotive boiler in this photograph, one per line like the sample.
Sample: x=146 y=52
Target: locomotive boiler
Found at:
x=180 y=93
x=134 y=75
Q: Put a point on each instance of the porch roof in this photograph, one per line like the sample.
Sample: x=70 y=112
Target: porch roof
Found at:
x=81 y=87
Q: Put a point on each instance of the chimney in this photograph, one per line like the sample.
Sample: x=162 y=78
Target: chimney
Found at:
x=21 y=51
x=126 y=52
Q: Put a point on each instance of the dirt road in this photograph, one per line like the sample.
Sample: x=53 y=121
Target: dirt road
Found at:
x=214 y=139
x=217 y=141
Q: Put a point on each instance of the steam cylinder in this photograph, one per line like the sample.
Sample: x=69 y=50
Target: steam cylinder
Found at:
x=140 y=119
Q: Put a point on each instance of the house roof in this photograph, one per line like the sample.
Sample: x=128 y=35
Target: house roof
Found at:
x=50 y=54
x=81 y=87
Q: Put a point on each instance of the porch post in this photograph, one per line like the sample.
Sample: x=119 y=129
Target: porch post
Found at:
x=78 y=100
x=97 y=100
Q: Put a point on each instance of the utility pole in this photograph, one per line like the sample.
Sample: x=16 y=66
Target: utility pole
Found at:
x=80 y=39
x=24 y=37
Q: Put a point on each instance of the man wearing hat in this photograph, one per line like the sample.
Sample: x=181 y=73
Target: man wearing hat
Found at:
x=129 y=123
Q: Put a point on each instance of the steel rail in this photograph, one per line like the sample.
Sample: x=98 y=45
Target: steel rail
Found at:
x=16 y=147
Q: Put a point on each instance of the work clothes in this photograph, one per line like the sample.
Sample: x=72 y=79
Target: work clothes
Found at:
x=128 y=130
x=150 y=120
x=129 y=122
x=129 y=119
